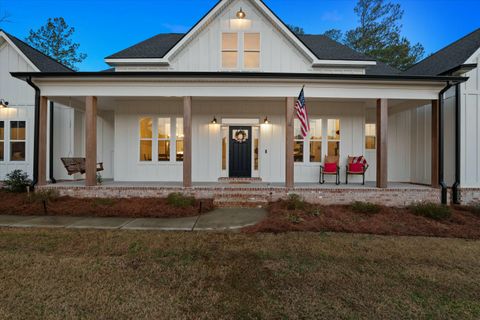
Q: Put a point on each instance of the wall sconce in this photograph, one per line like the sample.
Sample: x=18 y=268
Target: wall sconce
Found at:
x=240 y=23
x=265 y=121
x=240 y=14
x=3 y=103
x=214 y=121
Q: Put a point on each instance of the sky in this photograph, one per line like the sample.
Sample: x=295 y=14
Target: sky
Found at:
x=103 y=27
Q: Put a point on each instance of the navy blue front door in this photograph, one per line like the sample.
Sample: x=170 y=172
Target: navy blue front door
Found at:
x=240 y=164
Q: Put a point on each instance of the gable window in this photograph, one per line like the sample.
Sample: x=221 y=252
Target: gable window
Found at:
x=230 y=50
x=2 y=140
x=17 y=140
x=251 y=54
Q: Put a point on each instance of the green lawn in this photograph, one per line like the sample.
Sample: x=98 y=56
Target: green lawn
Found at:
x=63 y=274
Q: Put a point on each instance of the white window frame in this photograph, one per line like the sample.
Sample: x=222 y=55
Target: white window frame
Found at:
x=2 y=140
x=241 y=51
x=155 y=139
x=8 y=141
x=325 y=140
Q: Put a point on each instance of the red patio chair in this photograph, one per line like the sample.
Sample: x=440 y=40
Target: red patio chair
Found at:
x=356 y=166
x=330 y=167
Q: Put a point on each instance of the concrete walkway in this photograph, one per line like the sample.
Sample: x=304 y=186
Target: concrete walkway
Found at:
x=219 y=219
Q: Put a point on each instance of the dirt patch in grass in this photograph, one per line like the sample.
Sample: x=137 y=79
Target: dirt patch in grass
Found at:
x=387 y=221
x=72 y=274
x=20 y=204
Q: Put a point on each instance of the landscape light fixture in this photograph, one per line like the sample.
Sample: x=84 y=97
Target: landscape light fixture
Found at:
x=3 y=103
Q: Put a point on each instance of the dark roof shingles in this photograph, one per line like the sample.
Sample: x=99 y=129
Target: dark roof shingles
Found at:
x=448 y=58
x=43 y=62
x=323 y=47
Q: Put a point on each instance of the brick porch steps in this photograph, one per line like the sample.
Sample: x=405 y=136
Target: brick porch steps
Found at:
x=236 y=199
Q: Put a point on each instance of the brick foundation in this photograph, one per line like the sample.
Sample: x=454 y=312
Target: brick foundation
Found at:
x=469 y=196
x=260 y=196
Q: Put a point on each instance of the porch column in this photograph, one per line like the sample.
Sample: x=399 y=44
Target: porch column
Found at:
x=435 y=142
x=187 y=142
x=289 y=147
x=42 y=142
x=382 y=152
x=91 y=141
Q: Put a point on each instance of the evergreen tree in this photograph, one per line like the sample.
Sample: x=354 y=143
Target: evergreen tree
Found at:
x=54 y=39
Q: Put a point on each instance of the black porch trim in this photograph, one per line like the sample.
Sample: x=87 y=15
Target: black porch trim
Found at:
x=237 y=75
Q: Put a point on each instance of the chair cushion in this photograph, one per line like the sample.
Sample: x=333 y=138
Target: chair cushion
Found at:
x=330 y=167
x=355 y=167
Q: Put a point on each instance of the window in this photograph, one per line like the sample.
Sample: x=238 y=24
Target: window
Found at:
x=333 y=137
x=229 y=50
x=224 y=148
x=2 y=140
x=251 y=53
x=17 y=140
x=146 y=139
x=370 y=136
x=256 y=133
x=316 y=140
x=298 y=141
x=164 y=139
x=160 y=137
x=179 y=137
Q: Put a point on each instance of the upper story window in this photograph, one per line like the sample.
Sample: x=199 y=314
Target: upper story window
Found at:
x=248 y=44
x=230 y=50
x=251 y=54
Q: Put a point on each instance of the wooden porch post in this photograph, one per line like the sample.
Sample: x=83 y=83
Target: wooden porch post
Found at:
x=42 y=145
x=435 y=142
x=289 y=163
x=382 y=152
x=187 y=142
x=91 y=141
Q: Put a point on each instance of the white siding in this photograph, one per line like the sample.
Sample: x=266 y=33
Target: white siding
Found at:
x=470 y=132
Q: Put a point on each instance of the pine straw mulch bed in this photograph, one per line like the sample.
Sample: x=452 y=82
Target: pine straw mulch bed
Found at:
x=463 y=223
x=19 y=204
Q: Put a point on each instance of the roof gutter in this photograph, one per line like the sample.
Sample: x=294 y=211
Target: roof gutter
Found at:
x=36 y=140
x=456 y=184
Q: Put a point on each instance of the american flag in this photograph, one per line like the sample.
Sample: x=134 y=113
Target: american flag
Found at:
x=302 y=114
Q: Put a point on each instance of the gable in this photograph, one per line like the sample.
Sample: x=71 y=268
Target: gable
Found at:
x=13 y=90
x=280 y=50
x=35 y=58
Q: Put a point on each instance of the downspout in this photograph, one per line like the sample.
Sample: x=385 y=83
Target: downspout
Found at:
x=456 y=185
x=441 y=144
x=36 y=139
x=50 y=162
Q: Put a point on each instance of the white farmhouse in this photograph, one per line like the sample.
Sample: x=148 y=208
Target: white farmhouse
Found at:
x=212 y=112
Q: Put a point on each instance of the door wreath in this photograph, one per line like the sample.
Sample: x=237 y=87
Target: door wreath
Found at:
x=240 y=136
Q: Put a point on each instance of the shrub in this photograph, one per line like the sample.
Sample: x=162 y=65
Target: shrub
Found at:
x=44 y=197
x=99 y=178
x=295 y=202
x=180 y=200
x=315 y=212
x=295 y=218
x=431 y=210
x=17 y=181
x=365 y=207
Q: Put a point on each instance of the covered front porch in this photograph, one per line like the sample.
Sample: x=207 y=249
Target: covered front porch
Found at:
x=170 y=133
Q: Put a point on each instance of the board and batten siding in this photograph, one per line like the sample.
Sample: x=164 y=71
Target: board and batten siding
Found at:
x=470 y=130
